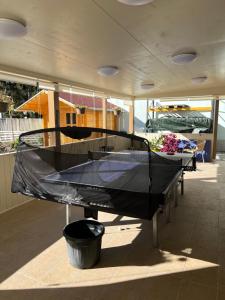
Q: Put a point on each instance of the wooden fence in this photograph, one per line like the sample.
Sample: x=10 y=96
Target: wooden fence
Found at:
x=16 y=124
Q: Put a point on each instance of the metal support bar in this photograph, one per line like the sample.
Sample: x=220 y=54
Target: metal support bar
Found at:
x=182 y=183
x=131 y=117
x=68 y=214
x=155 y=229
x=215 y=125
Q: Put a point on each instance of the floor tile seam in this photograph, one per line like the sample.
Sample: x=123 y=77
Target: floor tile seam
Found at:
x=205 y=285
x=31 y=278
x=179 y=289
x=39 y=280
x=222 y=285
x=192 y=231
x=165 y=272
x=78 y=283
x=141 y=274
x=135 y=276
x=79 y=270
x=218 y=284
x=83 y=283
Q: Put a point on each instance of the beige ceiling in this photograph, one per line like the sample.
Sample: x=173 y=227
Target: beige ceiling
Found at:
x=68 y=40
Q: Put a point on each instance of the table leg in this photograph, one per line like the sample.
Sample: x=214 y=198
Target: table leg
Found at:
x=155 y=229
x=176 y=194
x=182 y=183
x=90 y=213
x=194 y=163
x=68 y=214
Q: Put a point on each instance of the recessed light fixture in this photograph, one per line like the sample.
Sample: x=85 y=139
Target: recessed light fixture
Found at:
x=199 y=80
x=108 y=70
x=147 y=86
x=184 y=58
x=11 y=29
x=135 y=2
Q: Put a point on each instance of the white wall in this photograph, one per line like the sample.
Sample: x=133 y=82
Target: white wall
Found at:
x=123 y=119
x=140 y=115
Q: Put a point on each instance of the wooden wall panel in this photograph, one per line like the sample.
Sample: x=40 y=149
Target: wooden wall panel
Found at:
x=8 y=200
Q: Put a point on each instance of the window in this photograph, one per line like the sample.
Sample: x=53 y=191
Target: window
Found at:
x=183 y=116
x=117 y=115
x=73 y=118
x=68 y=121
x=179 y=116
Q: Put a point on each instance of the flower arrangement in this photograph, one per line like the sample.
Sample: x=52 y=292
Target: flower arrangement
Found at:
x=156 y=143
x=186 y=145
x=170 y=143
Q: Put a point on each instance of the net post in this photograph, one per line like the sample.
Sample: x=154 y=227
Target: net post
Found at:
x=68 y=214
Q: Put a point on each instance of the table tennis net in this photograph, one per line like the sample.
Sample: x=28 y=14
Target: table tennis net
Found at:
x=89 y=167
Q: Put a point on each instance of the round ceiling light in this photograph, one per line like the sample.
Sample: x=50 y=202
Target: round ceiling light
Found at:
x=135 y=2
x=147 y=86
x=199 y=80
x=108 y=70
x=11 y=29
x=184 y=58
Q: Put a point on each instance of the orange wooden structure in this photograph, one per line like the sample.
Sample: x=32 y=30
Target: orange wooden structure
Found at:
x=43 y=103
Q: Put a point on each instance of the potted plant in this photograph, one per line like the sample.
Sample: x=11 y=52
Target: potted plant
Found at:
x=4 y=106
x=117 y=111
x=5 y=102
x=80 y=109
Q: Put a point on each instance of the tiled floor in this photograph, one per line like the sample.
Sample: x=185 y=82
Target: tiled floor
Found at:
x=190 y=263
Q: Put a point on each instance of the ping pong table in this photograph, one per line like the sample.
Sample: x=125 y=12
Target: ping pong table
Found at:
x=131 y=183
x=188 y=162
x=119 y=185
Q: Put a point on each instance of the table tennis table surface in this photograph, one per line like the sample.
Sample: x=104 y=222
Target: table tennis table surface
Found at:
x=132 y=176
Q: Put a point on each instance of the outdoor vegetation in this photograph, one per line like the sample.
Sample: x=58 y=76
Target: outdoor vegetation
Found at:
x=14 y=94
x=9 y=146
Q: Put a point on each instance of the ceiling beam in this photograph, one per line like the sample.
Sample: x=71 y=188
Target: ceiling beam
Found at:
x=36 y=76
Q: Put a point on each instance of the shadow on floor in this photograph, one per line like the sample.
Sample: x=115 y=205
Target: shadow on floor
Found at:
x=29 y=230
x=167 y=286
x=26 y=231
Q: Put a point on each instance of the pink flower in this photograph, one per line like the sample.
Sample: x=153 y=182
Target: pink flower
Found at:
x=170 y=143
